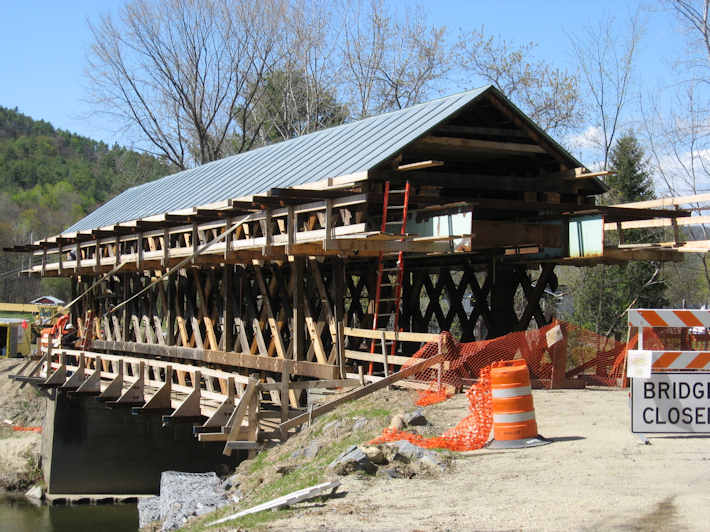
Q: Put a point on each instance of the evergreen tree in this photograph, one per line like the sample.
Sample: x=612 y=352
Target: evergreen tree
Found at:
x=605 y=292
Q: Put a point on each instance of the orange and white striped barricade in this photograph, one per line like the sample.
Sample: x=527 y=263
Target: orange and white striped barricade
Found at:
x=670 y=390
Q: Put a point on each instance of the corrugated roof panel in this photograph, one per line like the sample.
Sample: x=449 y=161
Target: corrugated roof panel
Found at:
x=340 y=150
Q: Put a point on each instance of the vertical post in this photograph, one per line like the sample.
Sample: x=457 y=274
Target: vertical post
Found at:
x=253 y=418
x=327 y=241
x=170 y=310
x=97 y=252
x=228 y=324
x=283 y=396
x=291 y=230
x=267 y=230
x=77 y=251
x=299 y=323
x=228 y=238
x=44 y=261
x=384 y=353
x=124 y=310
x=139 y=252
x=117 y=253
x=558 y=353
x=166 y=248
x=339 y=274
x=194 y=240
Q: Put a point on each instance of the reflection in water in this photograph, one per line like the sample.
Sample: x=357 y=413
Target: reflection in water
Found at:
x=17 y=514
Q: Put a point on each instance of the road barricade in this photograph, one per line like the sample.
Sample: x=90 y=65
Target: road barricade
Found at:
x=670 y=390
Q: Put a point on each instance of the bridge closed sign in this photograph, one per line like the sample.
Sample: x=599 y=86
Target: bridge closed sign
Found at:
x=671 y=403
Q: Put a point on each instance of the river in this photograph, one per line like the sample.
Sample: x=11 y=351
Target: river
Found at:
x=17 y=514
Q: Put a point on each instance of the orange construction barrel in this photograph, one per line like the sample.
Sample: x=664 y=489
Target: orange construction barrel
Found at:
x=514 y=424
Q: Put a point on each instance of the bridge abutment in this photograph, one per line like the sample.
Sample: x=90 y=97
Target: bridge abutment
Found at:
x=88 y=448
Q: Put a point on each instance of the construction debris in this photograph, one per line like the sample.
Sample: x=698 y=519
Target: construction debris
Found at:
x=286 y=500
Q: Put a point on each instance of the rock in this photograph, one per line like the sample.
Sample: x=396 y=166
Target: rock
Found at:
x=35 y=492
x=332 y=425
x=415 y=419
x=360 y=423
x=405 y=452
x=183 y=495
x=311 y=450
x=397 y=422
x=433 y=461
x=285 y=469
x=351 y=460
x=148 y=511
x=375 y=455
x=232 y=481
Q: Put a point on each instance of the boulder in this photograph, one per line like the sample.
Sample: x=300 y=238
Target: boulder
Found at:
x=35 y=492
x=351 y=460
x=183 y=495
x=397 y=422
x=403 y=451
x=375 y=455
x=415 y=419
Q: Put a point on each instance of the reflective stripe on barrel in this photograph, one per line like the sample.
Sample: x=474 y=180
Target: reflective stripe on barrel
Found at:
x=513 y=410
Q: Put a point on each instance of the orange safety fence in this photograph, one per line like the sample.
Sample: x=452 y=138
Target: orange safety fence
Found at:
x=587 y=356
x=18 y=428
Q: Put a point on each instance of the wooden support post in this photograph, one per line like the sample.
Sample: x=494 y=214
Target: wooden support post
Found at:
x=160 y=402
x=170 y=311
x=291 y=228
x=339 y=274
x=190 y=407
x=267 y=230
x=283 y=394
x=220 y=417
x=78 y=377
x=235 y=421
x=383 y=339
x=328 y=240
x=134 y=395
x=115 y=388
x=197 y=334
x=166 y=249
x=228 y=317
x=77 y=252
x=195 y=241
x=273 y=325
x=139 y=252
x=299 y=323
x=92 y=385
x=44 y=263
x=97 y=252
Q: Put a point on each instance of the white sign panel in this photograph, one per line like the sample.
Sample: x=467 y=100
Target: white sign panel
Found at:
x=671 y=402
x=638 y=364
x=554 y=335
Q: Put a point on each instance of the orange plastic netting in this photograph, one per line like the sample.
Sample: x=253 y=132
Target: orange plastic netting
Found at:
x=572 y=351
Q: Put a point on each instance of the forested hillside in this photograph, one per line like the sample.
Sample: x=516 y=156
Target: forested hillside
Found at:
x=48 y=179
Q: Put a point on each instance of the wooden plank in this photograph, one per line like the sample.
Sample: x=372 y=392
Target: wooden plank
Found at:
x=298 y=324
x=361 y=392
x=220 y=417
x=183 y=331
x=457 y=143
x=235 y=421
x=231 y=359
x=668 y=202
x=391 y=335
x=307 y=385
x=196 y=334
x=158 y=330
x=286 y=500
x=161 y=399
x=190 y=407
x=209 y=328
x=137 y=328
x=658 y=222
x=273 y=325
x=419 y=165
x=376 y=357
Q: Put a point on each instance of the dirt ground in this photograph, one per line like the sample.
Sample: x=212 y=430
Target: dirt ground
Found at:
x=595 y=475
x=19 y=451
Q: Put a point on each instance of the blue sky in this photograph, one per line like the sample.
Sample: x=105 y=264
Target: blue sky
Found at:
x=43 y=46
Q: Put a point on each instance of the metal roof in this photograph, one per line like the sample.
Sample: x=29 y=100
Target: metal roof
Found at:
x=336 y=151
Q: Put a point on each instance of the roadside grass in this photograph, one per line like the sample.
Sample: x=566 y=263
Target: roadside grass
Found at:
x=306 y=472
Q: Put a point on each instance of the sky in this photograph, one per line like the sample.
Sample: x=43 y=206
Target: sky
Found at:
x=44 y=45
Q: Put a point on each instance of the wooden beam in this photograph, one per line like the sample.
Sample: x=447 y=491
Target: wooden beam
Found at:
x=457 y=143
x=361 y=392
x=668 y=202
x=391 y=335
x=223 y=358
x=235 y=421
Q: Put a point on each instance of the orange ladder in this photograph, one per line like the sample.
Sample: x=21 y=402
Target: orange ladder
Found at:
x=387 y=265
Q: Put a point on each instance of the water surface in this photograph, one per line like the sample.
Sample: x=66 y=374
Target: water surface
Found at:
x=17 y=514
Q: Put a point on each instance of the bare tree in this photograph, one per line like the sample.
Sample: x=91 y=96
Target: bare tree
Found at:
x=300 y=95
x=186 y=74
x=696 y=16
x=390 y=63
x=606 y=61
x=548 y=95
